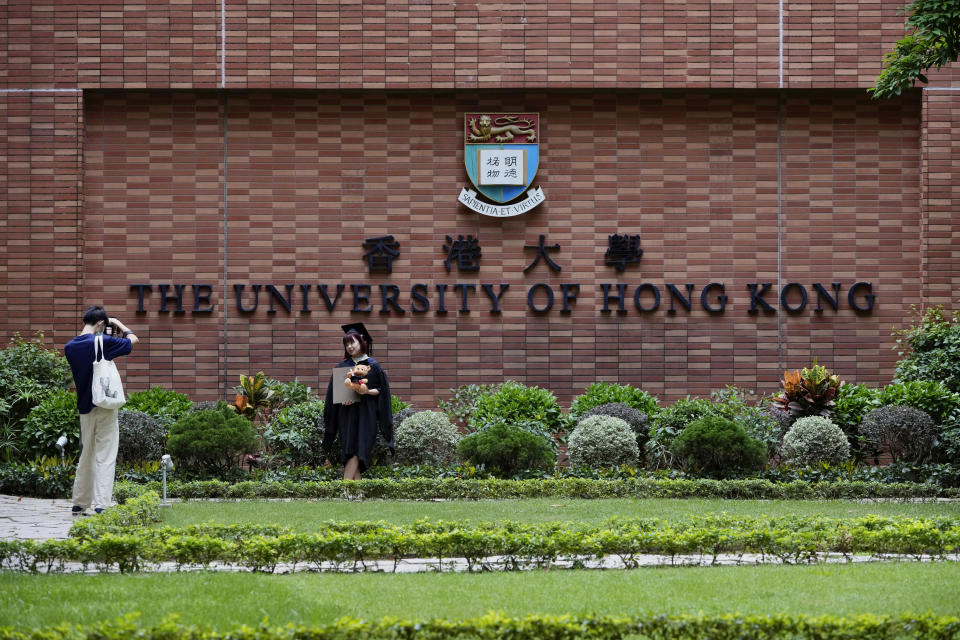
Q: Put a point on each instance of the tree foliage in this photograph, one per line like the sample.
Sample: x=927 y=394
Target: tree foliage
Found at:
x=932 y=42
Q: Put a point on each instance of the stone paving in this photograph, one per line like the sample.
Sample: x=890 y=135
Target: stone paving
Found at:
x=34 y=518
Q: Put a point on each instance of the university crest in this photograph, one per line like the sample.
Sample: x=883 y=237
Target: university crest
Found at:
x=501 y=154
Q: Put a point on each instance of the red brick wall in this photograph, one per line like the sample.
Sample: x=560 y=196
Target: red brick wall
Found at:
x=375 y=45
x=254 y=184
x=694 y=174
x=940 y=225
x=40 y=201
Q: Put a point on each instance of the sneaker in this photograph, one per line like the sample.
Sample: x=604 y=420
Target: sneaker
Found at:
x=99 y=510
x=76 y=510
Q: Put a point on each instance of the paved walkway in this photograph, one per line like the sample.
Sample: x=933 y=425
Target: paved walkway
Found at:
x=34 y=518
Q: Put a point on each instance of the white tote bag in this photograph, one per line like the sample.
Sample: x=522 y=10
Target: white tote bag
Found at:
x=106 y=388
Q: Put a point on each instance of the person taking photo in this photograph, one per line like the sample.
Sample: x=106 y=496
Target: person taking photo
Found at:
x=99 y=427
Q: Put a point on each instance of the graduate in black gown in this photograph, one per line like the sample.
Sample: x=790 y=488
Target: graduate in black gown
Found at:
x=355 y=424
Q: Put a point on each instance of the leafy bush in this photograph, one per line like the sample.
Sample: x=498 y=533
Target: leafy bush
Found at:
x=29 y=372
x=931 y=348
x=931 y=396
x=719 y=448
x=505 y=449
x=948 y=448
x=56 y=415
x=286 y=394
x=45 y=477
x=397 y=405
x=602 y=441
x=427 y=438
x=296 y=432
x=461 y=405
x=755 y=419
x=142 y=437
x=601 y=393
x=165 y=405
x=32 y=360
x=814 y=439
x=638 y=420
x=906 y=433
x=515 y=402
x=211 y=440
x=783 y=419
x=670 y=422
x=808 y=392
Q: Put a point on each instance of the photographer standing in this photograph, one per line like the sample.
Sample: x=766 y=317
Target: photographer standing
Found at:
x=99 y=428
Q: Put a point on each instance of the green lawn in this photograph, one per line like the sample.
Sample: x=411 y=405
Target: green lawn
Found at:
x=225 y=600
x=306 y=515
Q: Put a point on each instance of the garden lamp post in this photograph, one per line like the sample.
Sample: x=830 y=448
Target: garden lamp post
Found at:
x=61 y=443
x=166 y=463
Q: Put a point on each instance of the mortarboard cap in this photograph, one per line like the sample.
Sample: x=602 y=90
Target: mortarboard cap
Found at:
x=357 y=327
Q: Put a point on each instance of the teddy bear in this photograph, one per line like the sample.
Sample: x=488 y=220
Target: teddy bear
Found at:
x=356 y=378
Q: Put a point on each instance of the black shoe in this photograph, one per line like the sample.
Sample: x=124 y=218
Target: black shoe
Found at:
x=99 y=510
x=76 y=510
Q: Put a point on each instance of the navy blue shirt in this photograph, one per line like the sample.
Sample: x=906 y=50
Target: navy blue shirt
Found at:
x=79 y=352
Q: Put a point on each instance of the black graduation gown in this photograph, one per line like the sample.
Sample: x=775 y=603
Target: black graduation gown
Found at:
x=356 y=425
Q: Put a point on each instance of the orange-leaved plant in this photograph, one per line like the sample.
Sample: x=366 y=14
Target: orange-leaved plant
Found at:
x=808 y=392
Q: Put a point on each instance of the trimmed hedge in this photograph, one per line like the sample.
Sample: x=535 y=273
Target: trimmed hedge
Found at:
x=491 y=488
x=537 y=627
x=119 y=539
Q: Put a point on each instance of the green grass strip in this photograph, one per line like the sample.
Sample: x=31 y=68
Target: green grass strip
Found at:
x=308 y=515
x=225 y=600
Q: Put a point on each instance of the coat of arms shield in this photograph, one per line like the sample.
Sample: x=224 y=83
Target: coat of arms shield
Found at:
x=501 y=153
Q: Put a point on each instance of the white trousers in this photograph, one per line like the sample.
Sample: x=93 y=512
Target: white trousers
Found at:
x=99 y=436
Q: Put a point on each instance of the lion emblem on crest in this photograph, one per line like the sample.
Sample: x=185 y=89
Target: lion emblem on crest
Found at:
x=503 y=129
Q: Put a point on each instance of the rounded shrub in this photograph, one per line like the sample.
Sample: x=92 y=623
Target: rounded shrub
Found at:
x=295 y=434
x=514 y=402
x=427 y=438
x=602 y=441
x=906 y=433
x=638 y=420
x=165 y=405
x=504 y=450
x=56 y=415
x=601 y=393
x=814 y=439
x=719 y=448
x=211 y=441
x=142 y=437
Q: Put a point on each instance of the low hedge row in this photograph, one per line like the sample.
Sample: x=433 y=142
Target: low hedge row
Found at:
x=119 y=540
x=539 y=627
x=49 y=479
x=484 y=489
